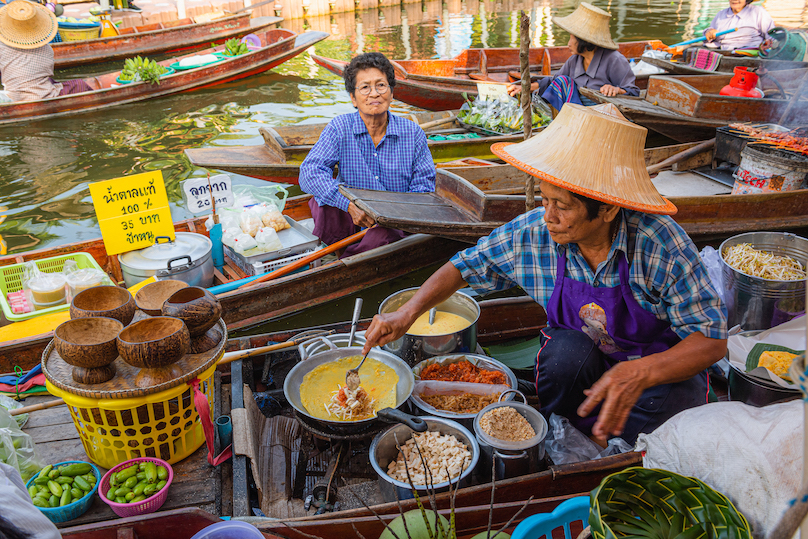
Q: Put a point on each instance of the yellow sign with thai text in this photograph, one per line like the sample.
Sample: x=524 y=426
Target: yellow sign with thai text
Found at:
x=132 y=211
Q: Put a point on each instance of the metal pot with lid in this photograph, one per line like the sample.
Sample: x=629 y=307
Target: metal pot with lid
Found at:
x=187 y=258
x=512 y=458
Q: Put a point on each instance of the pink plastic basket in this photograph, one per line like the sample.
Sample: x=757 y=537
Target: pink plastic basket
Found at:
x=149 y=505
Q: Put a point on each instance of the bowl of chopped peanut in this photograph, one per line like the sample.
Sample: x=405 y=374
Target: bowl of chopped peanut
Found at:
x=398 y=455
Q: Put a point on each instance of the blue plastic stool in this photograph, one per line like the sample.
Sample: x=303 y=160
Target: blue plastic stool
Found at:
x=537 y=526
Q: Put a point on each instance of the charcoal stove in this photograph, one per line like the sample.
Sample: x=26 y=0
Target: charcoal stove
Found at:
x=730 y=142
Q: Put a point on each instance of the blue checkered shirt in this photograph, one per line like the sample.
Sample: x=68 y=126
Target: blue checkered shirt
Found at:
x=666 y=274
x=401 y=162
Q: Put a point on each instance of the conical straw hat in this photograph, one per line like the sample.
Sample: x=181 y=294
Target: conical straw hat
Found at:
x=25 y=25
x=597 y=154
x=590 y=24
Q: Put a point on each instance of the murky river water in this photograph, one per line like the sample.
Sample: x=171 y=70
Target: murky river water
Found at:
x=45 y=166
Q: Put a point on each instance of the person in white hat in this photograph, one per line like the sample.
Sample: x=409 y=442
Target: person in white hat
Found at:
x=26 y=57
x=633 y=318
x=595 y=62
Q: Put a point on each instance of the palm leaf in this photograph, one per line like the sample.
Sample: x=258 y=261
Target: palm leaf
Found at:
x=658 y=504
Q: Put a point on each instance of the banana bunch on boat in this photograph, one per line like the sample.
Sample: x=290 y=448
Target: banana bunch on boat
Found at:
x=142 y=69
x=499 y=115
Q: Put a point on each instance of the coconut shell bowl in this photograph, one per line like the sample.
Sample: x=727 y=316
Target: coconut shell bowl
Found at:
x=151 y=297
x=107 y=301
x=90 y=345
x=200 y=310
x=154 y=345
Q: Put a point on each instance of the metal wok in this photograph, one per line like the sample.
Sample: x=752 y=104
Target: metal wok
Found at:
x=406 y=381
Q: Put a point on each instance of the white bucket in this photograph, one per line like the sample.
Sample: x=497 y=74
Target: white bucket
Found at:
x=761 y=172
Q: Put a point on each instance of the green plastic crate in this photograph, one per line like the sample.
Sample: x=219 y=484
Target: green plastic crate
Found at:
x=11 y=281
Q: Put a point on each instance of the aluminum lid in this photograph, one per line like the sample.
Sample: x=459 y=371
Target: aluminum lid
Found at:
x=157 y=256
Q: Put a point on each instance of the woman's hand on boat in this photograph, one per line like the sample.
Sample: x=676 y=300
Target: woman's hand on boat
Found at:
x=385 y=328
x=618 y=389
x=359 y=217
x=514 y=89
x=610 y=91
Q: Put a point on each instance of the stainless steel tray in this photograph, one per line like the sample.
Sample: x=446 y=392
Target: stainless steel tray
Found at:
x=296 y=239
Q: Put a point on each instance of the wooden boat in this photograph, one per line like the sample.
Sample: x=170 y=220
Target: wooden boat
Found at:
x=688 y=107
x=250 y=306
x=727 y=65
x=295 y=142
x=440 y=84
x=158 y=38
x=460 y=209
x=198 y=484
x=278 y=46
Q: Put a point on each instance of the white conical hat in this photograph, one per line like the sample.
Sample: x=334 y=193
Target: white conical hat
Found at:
x=592 y=151
x=589 y=23
x=25 y=25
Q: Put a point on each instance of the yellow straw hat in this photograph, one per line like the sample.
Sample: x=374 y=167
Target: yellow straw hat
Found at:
x=589 y=23
x=25 y=25
x=592 y=151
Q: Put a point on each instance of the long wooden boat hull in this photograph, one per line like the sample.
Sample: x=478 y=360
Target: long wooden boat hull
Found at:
x=687 y=108
x=458 y=209
x=158 y=38
x=279 y=46
x=296 y=141
x=727 y=65
x=246 y=307
x=440 y=84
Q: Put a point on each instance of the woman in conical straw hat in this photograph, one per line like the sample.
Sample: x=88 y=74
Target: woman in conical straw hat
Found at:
x=633 y=319
x=26 y=57
x=595 y=62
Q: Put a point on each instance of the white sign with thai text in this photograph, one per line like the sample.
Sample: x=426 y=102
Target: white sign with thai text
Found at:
x=198 y=193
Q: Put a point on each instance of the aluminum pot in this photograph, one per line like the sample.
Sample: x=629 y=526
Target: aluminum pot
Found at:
x=757 y=303
x=416 y=348
x=384 y=449
x=293 y=381
x=751 y=390
x=512 y=458
x=188 y=259
x=484 y=362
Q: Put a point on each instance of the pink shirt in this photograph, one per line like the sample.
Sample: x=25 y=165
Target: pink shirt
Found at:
x=26 y=73
x=753 y=24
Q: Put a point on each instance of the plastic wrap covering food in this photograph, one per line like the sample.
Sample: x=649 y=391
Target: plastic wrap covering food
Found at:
x=17 y=448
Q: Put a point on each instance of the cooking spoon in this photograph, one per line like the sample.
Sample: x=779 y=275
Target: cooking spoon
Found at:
x=432 y=312
x=352 y=376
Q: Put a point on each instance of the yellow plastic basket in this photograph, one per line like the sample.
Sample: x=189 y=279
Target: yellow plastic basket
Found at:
x=79 y=34
x=165 y=425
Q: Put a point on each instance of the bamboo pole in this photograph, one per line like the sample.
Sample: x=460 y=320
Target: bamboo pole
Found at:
x=527 y=108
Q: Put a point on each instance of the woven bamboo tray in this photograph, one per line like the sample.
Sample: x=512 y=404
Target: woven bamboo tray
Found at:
x=122 y=385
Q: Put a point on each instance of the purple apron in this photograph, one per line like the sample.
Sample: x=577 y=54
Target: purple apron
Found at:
x=620 y=327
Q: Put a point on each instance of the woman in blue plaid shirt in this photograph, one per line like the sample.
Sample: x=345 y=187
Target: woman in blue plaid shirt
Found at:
x=371 y=149
x=633 y=319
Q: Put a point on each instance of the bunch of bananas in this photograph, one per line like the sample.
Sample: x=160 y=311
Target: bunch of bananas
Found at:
x=142 y=69
x=234 y=47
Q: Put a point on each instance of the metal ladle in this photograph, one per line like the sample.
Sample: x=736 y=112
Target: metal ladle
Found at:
x=352 y=376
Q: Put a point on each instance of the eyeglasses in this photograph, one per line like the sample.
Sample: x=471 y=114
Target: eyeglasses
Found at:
x=381 y=88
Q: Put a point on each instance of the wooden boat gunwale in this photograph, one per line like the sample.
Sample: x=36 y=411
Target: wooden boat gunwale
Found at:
x=107 y=96
x=168 y=39
x=726 y=65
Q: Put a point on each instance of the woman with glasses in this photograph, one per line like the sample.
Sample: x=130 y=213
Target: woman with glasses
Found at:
x=371 y=149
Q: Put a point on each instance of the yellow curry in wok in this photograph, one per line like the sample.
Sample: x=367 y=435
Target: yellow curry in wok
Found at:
x=325 y=396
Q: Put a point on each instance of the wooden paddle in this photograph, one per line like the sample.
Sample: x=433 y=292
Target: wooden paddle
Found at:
x=435 y=123
x=310 y=258
x=226 y=358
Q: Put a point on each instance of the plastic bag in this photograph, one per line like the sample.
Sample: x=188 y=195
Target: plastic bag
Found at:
x=250 y=223
x=249 y=195
x=272 y=217
x=712 y=261
x=10 y=404
x=268 y=240
x=243 y=243
x=566 y=445
x=79 y=279
x=17 y=448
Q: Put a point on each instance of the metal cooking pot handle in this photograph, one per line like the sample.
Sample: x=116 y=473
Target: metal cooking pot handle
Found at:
x=305 y=346
x=190 y=262
x=519 y=455
x=397 y=416
x=515 y=391
x=158 y=238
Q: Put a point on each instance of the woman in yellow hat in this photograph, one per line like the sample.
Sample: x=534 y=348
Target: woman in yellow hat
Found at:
x=633 y=318
x=26 y=58
x=595 y=62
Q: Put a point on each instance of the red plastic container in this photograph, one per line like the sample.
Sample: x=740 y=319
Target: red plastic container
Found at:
x=742 y=84
x=149 y=505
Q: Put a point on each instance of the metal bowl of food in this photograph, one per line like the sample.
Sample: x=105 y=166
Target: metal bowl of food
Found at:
x=415 y=346
x=750 y=389
x=385 y=449
x=460 y=400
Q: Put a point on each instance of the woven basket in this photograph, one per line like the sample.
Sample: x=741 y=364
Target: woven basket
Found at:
x=660 y=504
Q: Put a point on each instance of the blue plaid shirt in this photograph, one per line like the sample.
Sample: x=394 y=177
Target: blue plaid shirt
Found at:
x=666 y=274
x=401 y=162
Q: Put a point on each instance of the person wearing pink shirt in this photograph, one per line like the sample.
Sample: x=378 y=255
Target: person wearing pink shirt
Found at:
x=753 y=24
